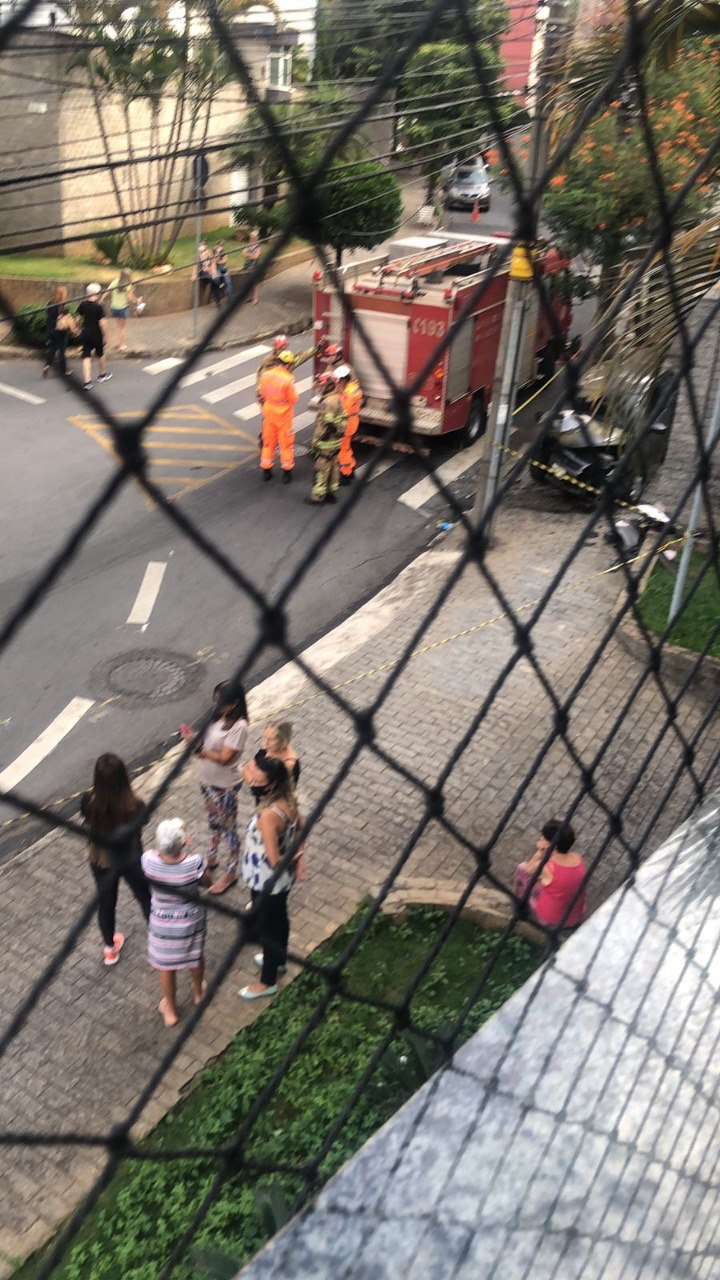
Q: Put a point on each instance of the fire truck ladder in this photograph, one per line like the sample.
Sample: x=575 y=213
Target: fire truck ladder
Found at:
x=423 y=264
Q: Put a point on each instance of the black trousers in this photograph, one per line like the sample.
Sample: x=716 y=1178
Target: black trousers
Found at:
x=273 y=931
x=55 y=346
x=107 y=880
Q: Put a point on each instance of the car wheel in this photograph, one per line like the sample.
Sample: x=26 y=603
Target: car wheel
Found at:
x=476 y=424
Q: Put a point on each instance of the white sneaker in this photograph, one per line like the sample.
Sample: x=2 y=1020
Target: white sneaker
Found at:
x=105 y=377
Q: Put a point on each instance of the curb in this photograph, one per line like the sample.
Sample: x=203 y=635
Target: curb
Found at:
x=183 y=346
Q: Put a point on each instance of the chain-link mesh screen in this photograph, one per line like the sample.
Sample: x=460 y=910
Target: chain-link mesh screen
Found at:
x=623 y=744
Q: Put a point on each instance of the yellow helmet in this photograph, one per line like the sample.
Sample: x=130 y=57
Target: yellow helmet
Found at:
x=287 y=357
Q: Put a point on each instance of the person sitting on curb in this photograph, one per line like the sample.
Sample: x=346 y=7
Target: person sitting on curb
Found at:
x=561 y=880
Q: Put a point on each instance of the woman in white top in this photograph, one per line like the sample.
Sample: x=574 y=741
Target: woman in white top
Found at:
x=272 y=837
x=220 y=781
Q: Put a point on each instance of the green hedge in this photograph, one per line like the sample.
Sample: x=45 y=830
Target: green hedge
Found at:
x=132 y=1231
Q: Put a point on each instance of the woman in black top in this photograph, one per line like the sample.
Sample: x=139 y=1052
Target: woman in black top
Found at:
x=277 y=742
x=56 y=338
x=109 y=810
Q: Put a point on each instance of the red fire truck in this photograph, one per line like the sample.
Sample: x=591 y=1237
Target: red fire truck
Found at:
x=406 y=304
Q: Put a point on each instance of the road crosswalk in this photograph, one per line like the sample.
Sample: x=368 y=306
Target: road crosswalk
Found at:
x=226 y=381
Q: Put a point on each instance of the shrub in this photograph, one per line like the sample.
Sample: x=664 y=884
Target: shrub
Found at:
x=110 y=244
x=29 y=324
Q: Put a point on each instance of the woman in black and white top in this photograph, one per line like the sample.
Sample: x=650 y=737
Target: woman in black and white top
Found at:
x=220 y=781
x=272 y=835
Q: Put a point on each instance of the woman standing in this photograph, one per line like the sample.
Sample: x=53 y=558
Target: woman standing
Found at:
x=122 y=295
x=176 y=936
x=251 y=257
x=277 y=742
x=109 y=809
x=220 y=782
x=58 y=326
x=223 y=268
x=271 y=836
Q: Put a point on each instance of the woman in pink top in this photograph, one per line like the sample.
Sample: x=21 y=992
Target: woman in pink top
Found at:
x=561 y=880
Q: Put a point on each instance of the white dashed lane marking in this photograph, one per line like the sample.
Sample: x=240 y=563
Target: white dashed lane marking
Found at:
x=27 y=396
x=47 y=741
x=147 y=593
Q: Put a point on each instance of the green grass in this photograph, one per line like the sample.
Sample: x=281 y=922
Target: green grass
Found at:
x=131 y=1232
x=87 y=266
x=698 y=620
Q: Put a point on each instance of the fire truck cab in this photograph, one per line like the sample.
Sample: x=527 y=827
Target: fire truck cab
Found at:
x=405 y=302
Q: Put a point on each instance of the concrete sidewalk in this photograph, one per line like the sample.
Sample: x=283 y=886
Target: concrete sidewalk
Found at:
x=86 y=1049
x=285 y=306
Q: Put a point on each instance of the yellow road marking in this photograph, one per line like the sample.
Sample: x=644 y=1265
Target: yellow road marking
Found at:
x=187 y=445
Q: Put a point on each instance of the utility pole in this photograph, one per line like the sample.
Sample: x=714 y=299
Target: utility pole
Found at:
x=682 y=573
x=552 y=31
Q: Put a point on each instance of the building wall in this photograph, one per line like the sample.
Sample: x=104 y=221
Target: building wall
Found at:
x=31 y=75
x=516 y=48
x=51 y=123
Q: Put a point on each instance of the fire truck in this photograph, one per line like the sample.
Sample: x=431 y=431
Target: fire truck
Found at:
x=406 y=300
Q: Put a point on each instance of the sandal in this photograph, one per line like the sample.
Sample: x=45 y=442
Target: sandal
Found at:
x=225 y=882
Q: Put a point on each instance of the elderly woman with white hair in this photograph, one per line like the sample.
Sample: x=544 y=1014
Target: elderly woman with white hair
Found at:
x=176 y=931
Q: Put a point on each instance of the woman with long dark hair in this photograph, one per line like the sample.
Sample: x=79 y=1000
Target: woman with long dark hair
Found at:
x=113 y=813
x=220 y=782
x=272 y=836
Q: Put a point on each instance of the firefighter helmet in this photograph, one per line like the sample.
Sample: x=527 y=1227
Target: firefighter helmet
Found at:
x=326 y=381
x=286 y=356
x=279 y=342
x=332 y=351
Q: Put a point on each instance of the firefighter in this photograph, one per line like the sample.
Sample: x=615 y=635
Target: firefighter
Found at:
x=278 y=394
x=280 y=344
x=326 y=442
x=351 y=397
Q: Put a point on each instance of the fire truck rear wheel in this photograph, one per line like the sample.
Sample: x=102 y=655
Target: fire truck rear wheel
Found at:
x=476 y=424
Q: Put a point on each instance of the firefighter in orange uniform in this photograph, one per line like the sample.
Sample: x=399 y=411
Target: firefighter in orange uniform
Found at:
x=278 y=394
x=352 y=398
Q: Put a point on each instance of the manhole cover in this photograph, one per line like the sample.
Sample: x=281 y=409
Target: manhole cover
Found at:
x=147 y=676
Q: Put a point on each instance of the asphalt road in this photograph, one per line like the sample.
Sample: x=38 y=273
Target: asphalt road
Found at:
x=123 y=685
x=141 y=624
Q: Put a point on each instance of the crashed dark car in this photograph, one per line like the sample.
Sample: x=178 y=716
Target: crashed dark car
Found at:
x=617 y=433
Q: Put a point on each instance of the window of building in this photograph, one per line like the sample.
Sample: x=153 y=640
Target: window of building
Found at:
x=280 y=68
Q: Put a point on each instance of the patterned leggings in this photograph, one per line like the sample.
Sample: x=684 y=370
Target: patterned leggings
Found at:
x=221 y=809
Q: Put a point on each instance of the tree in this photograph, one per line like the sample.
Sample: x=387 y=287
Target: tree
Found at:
x=359 y=206
x=355 y=40
x=139 y=56
x=441 y=108
x=307 y=127
x=356 y=206
x=604 y=200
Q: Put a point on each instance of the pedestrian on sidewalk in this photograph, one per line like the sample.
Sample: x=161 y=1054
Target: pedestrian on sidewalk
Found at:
x=113 y=813
x=271 y=838
x=277 y=743
x=122 y=295
x=351 y=397
x=59 y=325
x=278 y=395
x=92 y=334
x=206 y=269
x=217 y=759
x=176 y=932
x=223 y=269
x=251 y=257
x=561 y=879
x=326 y=443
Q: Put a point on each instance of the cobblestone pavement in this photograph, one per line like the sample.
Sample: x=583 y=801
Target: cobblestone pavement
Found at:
x=90 y=1042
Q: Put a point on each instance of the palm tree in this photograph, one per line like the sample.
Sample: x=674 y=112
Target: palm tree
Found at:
x=139 y=56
